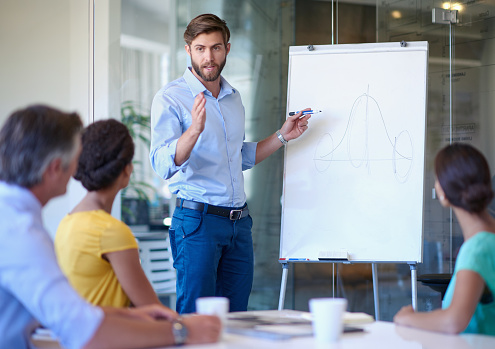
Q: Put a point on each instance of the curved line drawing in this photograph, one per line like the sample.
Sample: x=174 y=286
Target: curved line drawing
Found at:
x=323 y=161
x=402 y=174
x=402 y=147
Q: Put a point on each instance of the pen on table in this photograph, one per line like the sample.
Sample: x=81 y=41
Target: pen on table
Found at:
x=299 y=259
x=305 y=112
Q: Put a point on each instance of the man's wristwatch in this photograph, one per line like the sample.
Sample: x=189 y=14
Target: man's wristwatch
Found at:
x=282 y=139
x=180 y=332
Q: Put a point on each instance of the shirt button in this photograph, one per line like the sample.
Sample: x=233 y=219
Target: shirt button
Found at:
x=234 y=180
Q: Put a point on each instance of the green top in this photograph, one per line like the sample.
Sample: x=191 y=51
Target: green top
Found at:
x=477 y=254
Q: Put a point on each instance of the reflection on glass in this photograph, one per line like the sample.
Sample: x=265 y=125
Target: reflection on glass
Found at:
x=470 y=44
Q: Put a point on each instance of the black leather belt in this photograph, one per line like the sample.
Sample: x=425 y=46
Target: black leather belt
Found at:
x=232 y=214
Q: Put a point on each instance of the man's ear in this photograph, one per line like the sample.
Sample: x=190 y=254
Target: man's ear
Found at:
x=54 y=166
x=52 y=170
x=227 y=47
x=188 y=49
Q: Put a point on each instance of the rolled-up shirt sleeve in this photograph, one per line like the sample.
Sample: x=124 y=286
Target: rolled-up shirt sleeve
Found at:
x=248 y=152
x=166 y=128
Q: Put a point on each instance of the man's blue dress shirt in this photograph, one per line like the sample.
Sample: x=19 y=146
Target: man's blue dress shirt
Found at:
x=32 y=286
x=213 y=172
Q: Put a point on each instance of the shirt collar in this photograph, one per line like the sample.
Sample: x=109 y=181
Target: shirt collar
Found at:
x=20 y=194
x=197 y=87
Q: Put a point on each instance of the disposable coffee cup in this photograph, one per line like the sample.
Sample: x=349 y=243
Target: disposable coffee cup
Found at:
x=328 y=318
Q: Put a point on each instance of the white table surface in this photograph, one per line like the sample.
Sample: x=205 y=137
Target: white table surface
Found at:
x=379 y=334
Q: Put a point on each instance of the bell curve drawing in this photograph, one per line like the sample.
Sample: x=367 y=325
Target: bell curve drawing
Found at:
x=354 y=181
x=366 y=110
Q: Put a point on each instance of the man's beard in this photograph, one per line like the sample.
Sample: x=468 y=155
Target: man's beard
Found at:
x=212 y=76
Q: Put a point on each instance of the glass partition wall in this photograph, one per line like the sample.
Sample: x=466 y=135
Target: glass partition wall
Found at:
x=460 y=109
x=140 y=42
x=111 y=56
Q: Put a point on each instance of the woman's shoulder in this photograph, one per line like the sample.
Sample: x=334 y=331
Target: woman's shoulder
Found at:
x=484 y=237
x=477 y=250
x=483 y=240
x=109 y=220
x=95 y=218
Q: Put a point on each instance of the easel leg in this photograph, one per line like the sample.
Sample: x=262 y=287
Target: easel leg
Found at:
x=375 y=291
x=283 y=286
x=414 y=289
x=333 y=280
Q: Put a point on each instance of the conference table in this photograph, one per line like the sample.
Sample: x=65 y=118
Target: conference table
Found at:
x=376 y=334
x=379 y=334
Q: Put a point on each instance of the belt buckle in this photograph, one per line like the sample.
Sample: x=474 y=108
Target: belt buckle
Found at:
x=235 y=215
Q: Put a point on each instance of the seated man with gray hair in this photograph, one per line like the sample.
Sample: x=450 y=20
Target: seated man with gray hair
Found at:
x=39 y=150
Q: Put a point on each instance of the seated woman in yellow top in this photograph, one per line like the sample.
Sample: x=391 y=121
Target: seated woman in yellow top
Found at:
x=97 y=252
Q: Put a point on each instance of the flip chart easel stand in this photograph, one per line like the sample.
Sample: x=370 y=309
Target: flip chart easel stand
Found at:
x=412 y=266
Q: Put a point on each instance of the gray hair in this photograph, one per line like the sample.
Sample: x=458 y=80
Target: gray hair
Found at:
x=32 y=138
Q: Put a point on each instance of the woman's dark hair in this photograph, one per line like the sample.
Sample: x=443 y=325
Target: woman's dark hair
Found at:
x=107 y=148
x=464 y=175
x=205 y=24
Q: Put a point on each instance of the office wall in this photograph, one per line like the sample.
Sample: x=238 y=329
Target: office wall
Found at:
x=45 y=59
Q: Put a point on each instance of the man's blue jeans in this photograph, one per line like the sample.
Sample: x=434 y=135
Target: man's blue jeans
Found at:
x=213 y=256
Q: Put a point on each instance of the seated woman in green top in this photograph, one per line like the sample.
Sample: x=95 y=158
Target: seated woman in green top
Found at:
x=463 y=183
x=97 y=252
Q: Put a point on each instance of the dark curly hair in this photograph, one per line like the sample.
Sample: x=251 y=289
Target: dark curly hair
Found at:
x=464 y=175
x=107 y=148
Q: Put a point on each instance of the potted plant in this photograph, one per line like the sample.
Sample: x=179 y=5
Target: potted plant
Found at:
x=135 y=197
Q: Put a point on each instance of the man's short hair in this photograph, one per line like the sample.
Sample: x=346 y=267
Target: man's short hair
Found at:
x=205 y=24
x=33 y=137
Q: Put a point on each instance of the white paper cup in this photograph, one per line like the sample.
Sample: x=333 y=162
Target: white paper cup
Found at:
x=328 y=316
x=218 y=306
